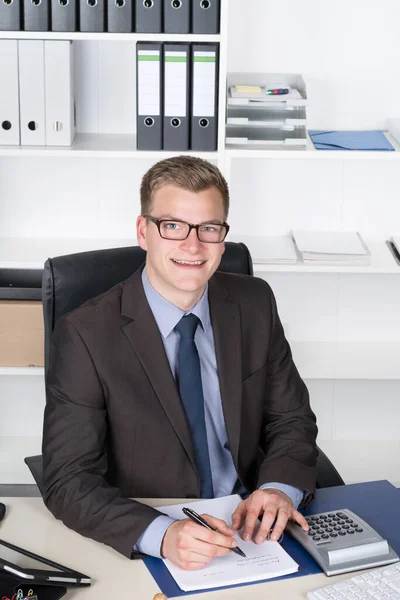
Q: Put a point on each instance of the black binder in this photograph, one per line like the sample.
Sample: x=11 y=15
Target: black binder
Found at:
x=120 y=16
x=148 y=96
x=205 y=16
x=92 y=15
x=204 y=99
x=36 y=15
x=177 y=16
x=64 y=15
x=10 y=15
x=148 y=16
x=176 y=96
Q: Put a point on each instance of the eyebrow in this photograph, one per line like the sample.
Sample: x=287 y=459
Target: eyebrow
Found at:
x=211 y=221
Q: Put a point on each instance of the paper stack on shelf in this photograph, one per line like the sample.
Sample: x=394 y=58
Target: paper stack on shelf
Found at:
x=331 y=247
x=265 y=110
x=269 y=249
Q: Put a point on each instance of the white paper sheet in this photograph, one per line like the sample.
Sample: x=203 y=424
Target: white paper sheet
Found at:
x=261 y=562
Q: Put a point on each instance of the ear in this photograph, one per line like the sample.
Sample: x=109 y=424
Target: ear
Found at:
x=141 y=231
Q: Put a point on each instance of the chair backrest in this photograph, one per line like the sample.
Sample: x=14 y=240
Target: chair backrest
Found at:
x=71 y=280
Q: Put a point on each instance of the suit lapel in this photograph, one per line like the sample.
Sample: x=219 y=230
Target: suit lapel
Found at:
x=225 y=318
x=145 y=338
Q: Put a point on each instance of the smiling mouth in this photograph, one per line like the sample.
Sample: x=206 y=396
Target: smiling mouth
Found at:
x=188 y=263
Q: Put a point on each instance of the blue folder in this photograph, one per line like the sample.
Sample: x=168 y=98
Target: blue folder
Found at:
x=377 y=502
x=350 y=140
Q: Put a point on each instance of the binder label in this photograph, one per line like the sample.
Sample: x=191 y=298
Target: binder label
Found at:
x=175 y=84
x=149 y=82
x=204 y=84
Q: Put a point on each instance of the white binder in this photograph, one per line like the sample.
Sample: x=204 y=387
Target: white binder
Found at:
x=9 y=100
x=31 y=96
x=59 y=93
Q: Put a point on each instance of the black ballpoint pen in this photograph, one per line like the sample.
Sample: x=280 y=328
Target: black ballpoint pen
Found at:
x=200 y=521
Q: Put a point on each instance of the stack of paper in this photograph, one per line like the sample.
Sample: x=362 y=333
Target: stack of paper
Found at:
x=269 y=249
x=262 y=561
x=237 y=98
x=331 y=247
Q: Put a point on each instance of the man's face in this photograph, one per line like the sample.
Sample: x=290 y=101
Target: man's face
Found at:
x=179 y=270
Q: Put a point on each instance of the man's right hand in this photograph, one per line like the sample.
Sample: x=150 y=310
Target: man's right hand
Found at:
x=190 y=546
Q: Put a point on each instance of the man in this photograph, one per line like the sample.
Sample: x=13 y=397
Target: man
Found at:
x=177 y=383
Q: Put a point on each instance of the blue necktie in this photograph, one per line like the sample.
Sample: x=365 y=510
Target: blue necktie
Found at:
x=191 y=393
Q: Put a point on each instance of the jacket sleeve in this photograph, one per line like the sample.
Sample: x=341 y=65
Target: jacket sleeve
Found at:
x=75 y=460
x=289 y=425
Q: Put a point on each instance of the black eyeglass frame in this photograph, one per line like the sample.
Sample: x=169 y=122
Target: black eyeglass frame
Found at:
x=158 y=222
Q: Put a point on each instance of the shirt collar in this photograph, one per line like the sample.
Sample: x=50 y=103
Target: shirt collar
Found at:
x=167 y=315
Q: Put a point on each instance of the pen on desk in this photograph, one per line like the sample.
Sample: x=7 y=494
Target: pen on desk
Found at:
x=200 y=521
x=2 y=511
x=277 y=91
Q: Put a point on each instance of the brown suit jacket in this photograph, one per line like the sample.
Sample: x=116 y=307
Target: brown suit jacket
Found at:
x=114 y=426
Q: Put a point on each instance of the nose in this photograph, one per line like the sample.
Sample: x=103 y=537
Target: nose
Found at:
x=192 y=243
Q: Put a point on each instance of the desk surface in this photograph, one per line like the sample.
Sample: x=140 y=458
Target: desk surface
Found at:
x=29 y=524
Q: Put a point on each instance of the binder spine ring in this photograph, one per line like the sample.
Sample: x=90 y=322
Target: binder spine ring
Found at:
x=205 y=4
x=176 y=3
x=8 y=2
x=204 y=122
x=175 y=122
x=63 y=2
x=36 y=2
x=119 y=3
x=148 y=3
x=149 y=121
x=91 y=2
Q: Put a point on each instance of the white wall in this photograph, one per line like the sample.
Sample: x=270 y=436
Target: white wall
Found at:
x=347 y=50
x=349 y=54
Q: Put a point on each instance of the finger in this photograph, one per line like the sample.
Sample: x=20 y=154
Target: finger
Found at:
x=219 y=524
x=194 y=531
x=254 y=508
x=280 y=524
x=239 y=515
x=192 y=562
x=204 y=550
x=267 y=522
x=298 y=517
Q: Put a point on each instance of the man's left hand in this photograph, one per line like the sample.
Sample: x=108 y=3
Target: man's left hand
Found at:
x=274 y=506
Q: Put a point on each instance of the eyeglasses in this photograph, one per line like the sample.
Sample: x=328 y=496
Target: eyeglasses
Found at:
x=211 y=233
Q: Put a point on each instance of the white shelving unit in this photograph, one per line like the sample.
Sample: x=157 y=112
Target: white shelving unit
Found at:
x=92 y=145
x=343 y=323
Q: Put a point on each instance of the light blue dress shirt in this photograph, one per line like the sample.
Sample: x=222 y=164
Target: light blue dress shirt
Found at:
x=223 y=471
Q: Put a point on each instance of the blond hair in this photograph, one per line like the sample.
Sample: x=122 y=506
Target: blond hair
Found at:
x=187 y=172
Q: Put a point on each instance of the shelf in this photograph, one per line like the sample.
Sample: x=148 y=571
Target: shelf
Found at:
x=382 y=262
x=101 y=145
x=108 y=37
x=316 y=360
x=24 y=253
x=309 y=152
x=17 y=371
x=31 y=253
x=347 y=360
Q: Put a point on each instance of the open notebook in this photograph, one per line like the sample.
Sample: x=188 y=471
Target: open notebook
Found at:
x=262 y=561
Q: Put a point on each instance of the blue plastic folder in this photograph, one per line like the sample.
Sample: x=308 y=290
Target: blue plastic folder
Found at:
x=377 y=502
x=350 y=140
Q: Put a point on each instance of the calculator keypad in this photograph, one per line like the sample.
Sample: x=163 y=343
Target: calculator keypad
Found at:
x=331 y=525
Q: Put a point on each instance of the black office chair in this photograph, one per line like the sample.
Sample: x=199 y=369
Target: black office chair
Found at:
x=71 y=280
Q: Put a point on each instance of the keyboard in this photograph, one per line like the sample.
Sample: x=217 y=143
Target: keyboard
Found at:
x=378 y=584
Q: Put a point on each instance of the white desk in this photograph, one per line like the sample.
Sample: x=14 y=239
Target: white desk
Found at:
x=29 y=524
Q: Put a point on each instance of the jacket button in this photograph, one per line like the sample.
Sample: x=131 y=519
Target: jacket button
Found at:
x=191 y=496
